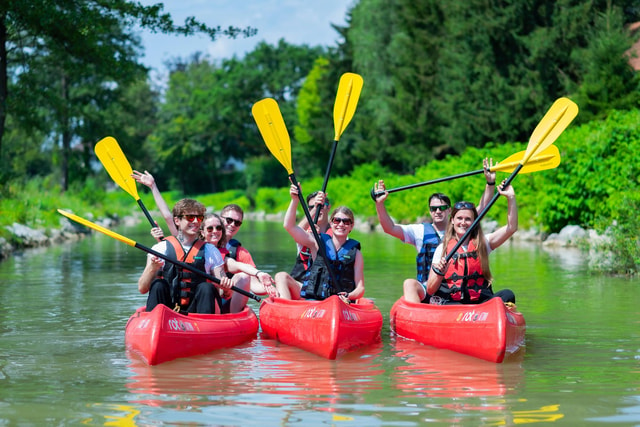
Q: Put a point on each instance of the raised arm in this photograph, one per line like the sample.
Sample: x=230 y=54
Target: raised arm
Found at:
x=299 y=235
x=487 y=164
x=386 y=222
x=501 y=235
x=147 y=179
x=313 y=204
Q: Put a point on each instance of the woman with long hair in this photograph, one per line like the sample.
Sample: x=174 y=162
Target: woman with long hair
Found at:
x=342 y=261
x=466 y=277
x=214 y=232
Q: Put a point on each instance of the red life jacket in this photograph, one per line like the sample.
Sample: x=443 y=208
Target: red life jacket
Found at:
x=183 y=282
x=463 y=279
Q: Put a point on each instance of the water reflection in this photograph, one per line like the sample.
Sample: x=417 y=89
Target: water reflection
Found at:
x=257 y=373
x=433 y=372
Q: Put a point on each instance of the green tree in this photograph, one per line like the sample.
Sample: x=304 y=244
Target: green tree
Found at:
x=84 y=42
x=205 y=122
x=608 y=80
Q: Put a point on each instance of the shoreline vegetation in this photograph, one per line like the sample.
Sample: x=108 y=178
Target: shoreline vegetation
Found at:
x=589 y=201
x=27 y=238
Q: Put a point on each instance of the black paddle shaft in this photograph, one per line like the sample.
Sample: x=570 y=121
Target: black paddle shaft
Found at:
x=146 y=213
x=375 y=195
x=326 y=178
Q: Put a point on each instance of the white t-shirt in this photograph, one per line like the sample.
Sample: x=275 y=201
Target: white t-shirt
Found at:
x=212 y=256
x=414 y=234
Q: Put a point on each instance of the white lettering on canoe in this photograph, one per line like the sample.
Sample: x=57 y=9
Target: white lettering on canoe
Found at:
x=349 y=315
x=313 y=313
x=472 y=316
x=179 y=325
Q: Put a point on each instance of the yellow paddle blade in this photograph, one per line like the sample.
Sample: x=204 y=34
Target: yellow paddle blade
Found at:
x=347 y=97
x=116 y=164
x=267 y=115
x=97 y=227
x=549 y=158
x=559 y=116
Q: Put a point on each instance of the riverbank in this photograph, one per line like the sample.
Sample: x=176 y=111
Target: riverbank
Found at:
x=24 y=237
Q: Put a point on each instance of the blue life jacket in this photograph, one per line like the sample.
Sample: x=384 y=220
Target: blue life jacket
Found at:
x=430 y=242
x=317 y=283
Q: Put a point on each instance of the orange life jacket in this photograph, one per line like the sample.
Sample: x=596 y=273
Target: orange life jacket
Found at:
x=183 y=282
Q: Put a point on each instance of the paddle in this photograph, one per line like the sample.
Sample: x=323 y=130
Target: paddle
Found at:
x=130 y=242
x=559 y=116
x=269 y=119
x=547 y=159
x=115 y=162
x=344 y=108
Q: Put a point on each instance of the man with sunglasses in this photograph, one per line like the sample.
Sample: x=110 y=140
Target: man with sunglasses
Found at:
x=176 y=287
x=426 y=236
x=233 y=215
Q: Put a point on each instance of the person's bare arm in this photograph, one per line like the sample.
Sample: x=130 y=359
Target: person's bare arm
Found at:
x=147 y=179
x=490 y=186
x=502 y=234
x=149 y=273
x=387 y=224
x=299 y=235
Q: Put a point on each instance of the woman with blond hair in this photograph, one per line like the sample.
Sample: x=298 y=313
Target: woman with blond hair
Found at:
x=466 y=277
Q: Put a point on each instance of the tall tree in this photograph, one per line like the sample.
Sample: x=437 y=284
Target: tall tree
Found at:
x=83 y=37
x=608 y=81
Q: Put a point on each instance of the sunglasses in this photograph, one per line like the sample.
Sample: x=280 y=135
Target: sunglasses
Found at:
x=230 y=221
x=438 y=208
x=191 y=218
x=211 y=227
x=345 y=221
x=464 y=205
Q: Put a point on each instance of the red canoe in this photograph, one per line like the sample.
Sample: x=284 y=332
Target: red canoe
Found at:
x=162 y=334
x=489 y=331
x=327 y=328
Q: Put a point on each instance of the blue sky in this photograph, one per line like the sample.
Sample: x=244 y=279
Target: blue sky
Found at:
x=297 y=21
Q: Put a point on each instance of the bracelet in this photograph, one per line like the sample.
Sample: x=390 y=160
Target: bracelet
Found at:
x=491 y=183
x=258 y=272
x=437 y=271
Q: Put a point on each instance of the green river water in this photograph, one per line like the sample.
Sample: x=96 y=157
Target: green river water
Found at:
x=63 y=361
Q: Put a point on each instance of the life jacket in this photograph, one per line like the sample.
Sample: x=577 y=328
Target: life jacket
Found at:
x=183 y=282
x=463 y=281
x=303 y=262
x=317 y=283
x=232 y=252
x=233 y=248
x=430 y=242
